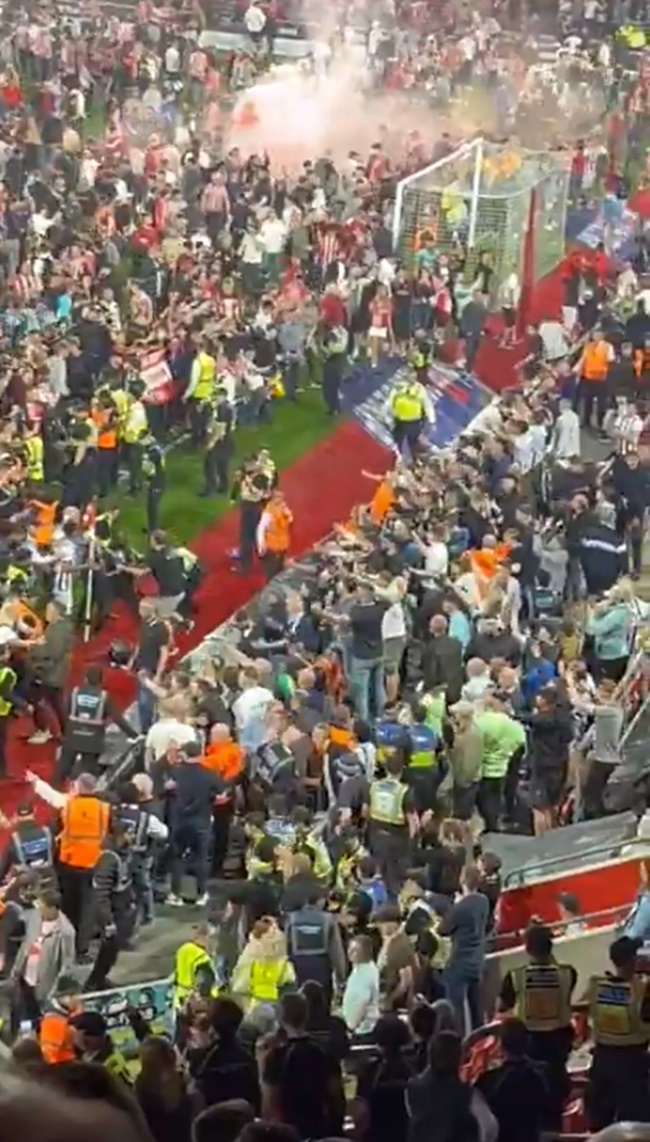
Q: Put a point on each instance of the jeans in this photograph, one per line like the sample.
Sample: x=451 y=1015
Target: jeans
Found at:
x=367 y=685
x=146 y=703
x=464 y=987
x=193 y=841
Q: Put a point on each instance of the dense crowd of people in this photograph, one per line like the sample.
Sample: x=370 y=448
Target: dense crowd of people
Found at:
x=455 y=662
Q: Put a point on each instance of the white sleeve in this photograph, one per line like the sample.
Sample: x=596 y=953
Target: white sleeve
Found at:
x=48 y=793
x=156 y=829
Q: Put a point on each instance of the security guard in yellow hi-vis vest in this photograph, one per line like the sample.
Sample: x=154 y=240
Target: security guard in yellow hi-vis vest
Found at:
x=194 y=972
x=8 y=700
x=34 y=457
x=539 y=993
x=392 y=821
x=619 y=1014
x=199 y=393
x=410 y=409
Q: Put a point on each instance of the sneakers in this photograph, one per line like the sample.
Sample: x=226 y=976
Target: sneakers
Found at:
x=202 y=900
x=40 y=737
x=175 y=901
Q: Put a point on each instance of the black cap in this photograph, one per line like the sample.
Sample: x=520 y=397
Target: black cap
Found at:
x=90 y=1023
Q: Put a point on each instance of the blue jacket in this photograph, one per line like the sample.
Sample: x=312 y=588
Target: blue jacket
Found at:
x=612 y=632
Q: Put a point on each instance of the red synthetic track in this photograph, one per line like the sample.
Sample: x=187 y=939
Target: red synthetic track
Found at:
x=321 y=488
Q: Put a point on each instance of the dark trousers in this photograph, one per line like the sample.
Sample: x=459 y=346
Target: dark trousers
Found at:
x=490 y=802
x=133 y=458
x=617 y=1088
x=51 y=696
x=463 y=988
x=588 y=394
x=594 y=790
x=249 y=517
x=331 y=384
x=76 y=898
x=273 y=562
x=199 y=420
x=154 y=496
x=190 y=843
x=221 y=818
x=512 y=782
x=215 y=468
x=108 y=951
x=106 y=470
x=24 y=1006
x=4 y=730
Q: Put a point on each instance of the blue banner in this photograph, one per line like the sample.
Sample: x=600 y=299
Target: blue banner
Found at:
x=622 y=233
x=152 y=1000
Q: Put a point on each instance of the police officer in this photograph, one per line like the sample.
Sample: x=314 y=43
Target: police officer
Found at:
x=200 y=392
x=153 y=471
x=539 y=993
x=423 y=772
x=134 y=427
x=252 y=489
x=93 y=1043
x=194 y=967
x=34 y=456
x=314 y=943
x=113 y=903
x=219 y=447
x=143 y=829
x=392 y=820
x=31 y=846
x=619 y=1013
x=90 y=712
x=409 y=407
x=8 y=700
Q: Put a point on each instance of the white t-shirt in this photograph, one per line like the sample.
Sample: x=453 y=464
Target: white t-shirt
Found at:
x=250 y=714
x=30 y=973
x=393 y=624
x=273 y=233
x=165 y=733
x=436 y=559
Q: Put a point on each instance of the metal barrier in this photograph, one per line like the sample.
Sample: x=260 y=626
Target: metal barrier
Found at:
x=517 y=877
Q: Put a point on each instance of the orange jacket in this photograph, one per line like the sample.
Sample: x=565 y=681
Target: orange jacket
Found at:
x=595 y=361
x=641 y=361
x=55 y=1037
x=278 y=532
x=85 y=822
x=106 y=432
x=382 y=502
x=46 y=515
x=224 y=759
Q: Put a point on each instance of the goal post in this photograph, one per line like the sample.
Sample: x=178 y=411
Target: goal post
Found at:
x=475 y=204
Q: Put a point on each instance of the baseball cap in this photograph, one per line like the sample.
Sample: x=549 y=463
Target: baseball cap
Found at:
x=90 y=1023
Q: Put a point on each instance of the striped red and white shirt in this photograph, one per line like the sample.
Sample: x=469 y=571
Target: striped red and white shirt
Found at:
x=215 y=199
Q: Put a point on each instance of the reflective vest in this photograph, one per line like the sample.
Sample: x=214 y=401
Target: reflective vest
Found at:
x=123 y=403
x=423 y=747
x=543 y=996
x=387 y=801
x=117 y=1065
x=595 y=361
x=406 y=403
x=207 y=373
x=85 y=822
x=390 y=736
x=135 y=823
x=124 y=879
x=307 y=932
x=615 y=1012
x=266 y=979
x=86 y=729
x=276 y=536
x=5 y=703
x=189 y=958
x=34 y=454
x=55 y=1036
x=135 y=423
x=34 y=851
